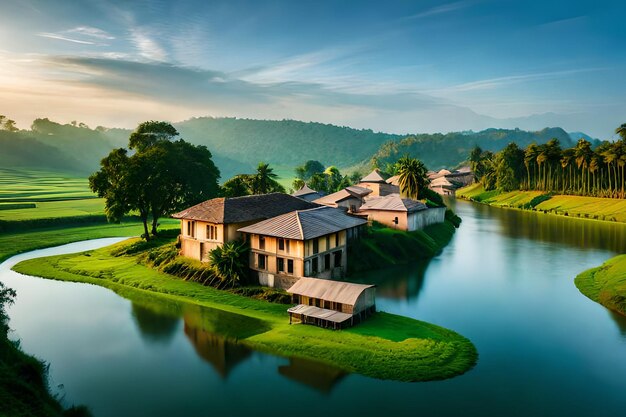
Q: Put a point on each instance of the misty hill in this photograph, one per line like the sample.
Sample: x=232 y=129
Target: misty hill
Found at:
x=238 y=145
x=284 y=142
x=449 y=150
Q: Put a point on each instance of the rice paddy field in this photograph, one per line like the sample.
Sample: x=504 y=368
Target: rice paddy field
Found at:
x=33 y=194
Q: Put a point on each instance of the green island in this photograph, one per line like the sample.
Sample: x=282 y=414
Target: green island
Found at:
x=606 y=284
x=596 y=208
x=386 y=346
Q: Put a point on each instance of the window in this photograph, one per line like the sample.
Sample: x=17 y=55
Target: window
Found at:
x=281 y=244
x=327 y=262
x=315 y=266
x=280 y=264
x=286 y=245
x=316 y=246
x=395 y=220
x=338 y=256
x=211 y=232
x=262 y=261
x=307 y=268
x=262 y=242
x=290 y=266
x=191 y=228
x=336 y=239
x=328 y=242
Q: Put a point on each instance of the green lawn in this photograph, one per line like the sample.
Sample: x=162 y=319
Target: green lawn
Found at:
x=18 y=242
x=606 y=284
x=55 y=209
x=609 y=209
x=386 y=346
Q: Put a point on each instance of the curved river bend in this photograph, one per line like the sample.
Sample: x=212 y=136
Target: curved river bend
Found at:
x=505 y=281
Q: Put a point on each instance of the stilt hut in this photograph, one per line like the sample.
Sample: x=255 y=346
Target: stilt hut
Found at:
x=331 y=304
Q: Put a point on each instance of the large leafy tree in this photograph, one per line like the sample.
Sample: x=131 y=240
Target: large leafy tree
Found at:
x=163 y=175
x=413 y=178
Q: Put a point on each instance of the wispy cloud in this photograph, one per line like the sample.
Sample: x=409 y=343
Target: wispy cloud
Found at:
x=64 y=38
x=84 y=35
x=444 y=8
x=146 y=45
x=493 y=83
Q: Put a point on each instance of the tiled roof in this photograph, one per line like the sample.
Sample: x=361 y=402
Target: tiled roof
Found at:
x=324 y=289
x=304 y=190
x=305 y=224
x=395 y=180
x=352 y=191
x=373 y=176
x=393 y=202
x=244 y=209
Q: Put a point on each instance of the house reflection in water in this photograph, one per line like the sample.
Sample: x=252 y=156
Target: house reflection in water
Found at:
x=155 y=323
x=224 y=355
x=317 y=375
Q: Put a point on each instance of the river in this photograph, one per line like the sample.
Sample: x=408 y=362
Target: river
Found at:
x=506 y=281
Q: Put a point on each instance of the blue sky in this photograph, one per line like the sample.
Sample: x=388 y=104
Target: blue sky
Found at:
x=397 y=66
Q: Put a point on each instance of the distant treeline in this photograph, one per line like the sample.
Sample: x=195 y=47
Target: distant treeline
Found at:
x=451 y=149
x=578 y=170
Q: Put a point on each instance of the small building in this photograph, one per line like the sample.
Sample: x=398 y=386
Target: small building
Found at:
x=443 y=186
x=331 y=304
x=401 y=213
x=375 y=182
x=301 y=243
x=307 y=193
x=211 y=223
x=350 y=198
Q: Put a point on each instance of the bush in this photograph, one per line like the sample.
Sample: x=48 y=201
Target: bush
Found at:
x=453 y=218
x=536 y=201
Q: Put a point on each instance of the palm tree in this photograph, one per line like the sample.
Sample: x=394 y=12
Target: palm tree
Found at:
x=263 y=181
x=229 y=263
x=566 y=163
x=583 y=152
x=412 y=177
x=530 y=157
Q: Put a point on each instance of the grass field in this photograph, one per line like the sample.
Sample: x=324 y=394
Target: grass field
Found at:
x=606 y=284
x=14 y=243
x=35 y=195
x=386 y=346
x=608 y=209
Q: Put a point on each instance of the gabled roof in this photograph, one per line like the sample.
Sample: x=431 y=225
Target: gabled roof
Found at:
x=395 y=180
x=324 y=289
x=304 y=190
x=305 y=224
x=393 y=202
x=244 y=209
x=354 y=191
x=441 y=182
x=373 y=176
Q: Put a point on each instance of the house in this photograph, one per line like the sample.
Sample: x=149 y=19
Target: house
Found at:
x=375 y=182
x=333 y=304
x=443 y=186
x=401 y=213
x=350 y=198
x=210 y=224
x=446 y=182
x=307 y=193
x=311 y=242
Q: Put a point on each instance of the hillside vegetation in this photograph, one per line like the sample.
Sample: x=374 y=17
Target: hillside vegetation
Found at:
x=449 y=150
x=238 y=145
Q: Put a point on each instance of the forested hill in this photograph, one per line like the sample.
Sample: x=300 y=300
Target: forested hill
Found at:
x=448 y=150
x=284 y=142
x=239 y=144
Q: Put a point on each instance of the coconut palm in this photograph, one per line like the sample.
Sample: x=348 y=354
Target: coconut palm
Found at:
x=229 y=263
x=264 y=180
x=412 y=177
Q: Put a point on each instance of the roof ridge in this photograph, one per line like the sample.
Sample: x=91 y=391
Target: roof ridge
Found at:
x=299 y=225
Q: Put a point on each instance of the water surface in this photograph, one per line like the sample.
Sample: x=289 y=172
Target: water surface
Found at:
x=505 y=281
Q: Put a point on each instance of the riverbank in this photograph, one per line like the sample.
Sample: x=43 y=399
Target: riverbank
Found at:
x=382 y=246
x=606 y=284
x=607 y=209
x=385 y=347
x=23 y=378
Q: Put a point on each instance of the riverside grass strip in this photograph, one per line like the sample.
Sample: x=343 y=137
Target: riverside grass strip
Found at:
x=606 y=284
x=385 y=347
x=596 y=208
